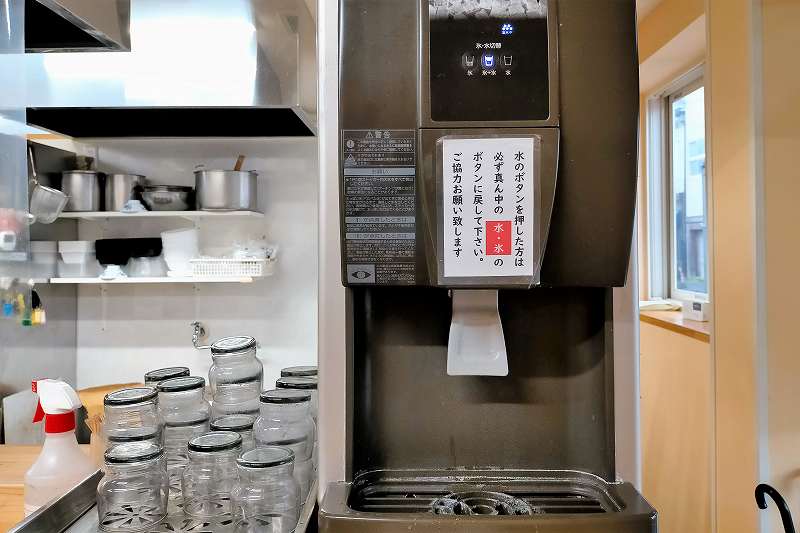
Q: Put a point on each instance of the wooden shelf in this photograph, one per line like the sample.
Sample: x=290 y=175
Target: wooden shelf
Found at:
x=674 y=321
x=130 y=281
x=189 y=215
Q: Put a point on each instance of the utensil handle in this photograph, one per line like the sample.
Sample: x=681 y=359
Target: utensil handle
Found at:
x=239 y=162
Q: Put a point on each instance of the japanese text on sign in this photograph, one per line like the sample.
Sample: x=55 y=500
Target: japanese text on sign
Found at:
x=488 y=193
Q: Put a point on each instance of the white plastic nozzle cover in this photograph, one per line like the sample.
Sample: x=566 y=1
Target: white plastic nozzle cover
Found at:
x=55 y=397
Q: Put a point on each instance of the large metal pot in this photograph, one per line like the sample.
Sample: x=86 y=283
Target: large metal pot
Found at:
x=226 y=190
x=122 y=187
x=84 y=189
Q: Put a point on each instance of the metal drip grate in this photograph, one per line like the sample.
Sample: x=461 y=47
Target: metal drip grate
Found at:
x=131 y=517
x=524 y=497
x=143 y=520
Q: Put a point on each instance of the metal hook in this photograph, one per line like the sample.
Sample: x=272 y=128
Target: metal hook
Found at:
x=786 y=516
x=199 y=333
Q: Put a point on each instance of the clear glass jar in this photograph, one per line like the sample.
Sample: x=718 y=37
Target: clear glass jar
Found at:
x=186 y=414
x=132 y=415
x=241 y=424
x=304 y=371
x=286 y=421
x=304 y=383
x=154 y=377
x=133 y=494
x=236 y=376
x=211 y=474
x=267 y=497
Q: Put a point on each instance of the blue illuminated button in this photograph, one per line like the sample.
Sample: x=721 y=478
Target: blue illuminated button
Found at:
x=488 y=61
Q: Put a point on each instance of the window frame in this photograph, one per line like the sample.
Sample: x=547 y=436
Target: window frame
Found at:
x=662 y=282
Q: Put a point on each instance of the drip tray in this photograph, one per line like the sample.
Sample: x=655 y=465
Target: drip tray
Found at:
x=484 y=500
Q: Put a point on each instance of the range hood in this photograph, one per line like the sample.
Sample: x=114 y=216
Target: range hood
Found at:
x=193 y=68
x=77 y=25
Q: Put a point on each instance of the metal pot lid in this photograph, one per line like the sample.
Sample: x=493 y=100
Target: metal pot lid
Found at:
x=121 y=174
x=181 y=384
x=133 y=452
x=299 y=371
x=237 y=422
x=233 y=345
x=266 y=457
x=284 y=396
x=130 y=396
x=215 y=441
x=302 y=383
x=169 y=372
x=90 y=172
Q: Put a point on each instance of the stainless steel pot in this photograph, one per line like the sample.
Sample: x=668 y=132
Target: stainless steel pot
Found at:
x=122 y=187
x=226 y=190
x=84 y=188
x=167 y=197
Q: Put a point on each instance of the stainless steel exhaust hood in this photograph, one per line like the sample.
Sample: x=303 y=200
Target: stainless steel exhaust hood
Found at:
x=191 y=61
x=77 y=25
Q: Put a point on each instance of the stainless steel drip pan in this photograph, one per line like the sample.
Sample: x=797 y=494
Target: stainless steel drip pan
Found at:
x=483 y=501
x=76 y=512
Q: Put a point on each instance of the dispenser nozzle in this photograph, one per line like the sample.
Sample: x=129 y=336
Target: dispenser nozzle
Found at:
x=476 y=345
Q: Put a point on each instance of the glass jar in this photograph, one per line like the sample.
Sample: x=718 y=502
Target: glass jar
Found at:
x=186 y=414
x=236 y=376
x=267 y=497
x=154 y=377
x=133 y=494
x=286 y=421
x=241 y=424
x=299 y=371
x=305 y=383
x=132 y=415
x=211 y=474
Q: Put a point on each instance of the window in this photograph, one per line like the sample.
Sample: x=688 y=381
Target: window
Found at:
x=678 y=213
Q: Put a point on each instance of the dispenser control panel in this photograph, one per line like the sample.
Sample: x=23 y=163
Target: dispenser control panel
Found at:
x=489 y=63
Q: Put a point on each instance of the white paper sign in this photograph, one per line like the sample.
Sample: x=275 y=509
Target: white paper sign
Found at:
x=488 y=197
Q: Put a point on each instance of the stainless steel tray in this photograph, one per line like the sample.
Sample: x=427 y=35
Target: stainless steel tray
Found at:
x=76 y=512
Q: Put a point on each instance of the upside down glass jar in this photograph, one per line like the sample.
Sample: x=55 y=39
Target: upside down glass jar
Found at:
x=267 y=497
x=154 y=377
x=285 y=420
x=133 y=494
x=132 y=415
x=186 y=415
x=241 y=424
x=236 y=376
x=211 y=474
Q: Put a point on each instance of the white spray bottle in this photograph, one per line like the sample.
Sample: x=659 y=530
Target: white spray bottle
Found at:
x=61 y=465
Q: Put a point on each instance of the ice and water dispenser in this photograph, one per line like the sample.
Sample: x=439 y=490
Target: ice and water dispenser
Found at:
x=488 y=180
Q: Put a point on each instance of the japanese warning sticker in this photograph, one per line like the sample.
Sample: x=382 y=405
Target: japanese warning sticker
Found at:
x=380 y=206
x=488 y=207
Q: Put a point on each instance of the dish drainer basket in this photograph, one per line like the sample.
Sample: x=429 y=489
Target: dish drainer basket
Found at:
x=229 y=267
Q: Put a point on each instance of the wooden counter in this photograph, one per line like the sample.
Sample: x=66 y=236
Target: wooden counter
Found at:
x=14 y=462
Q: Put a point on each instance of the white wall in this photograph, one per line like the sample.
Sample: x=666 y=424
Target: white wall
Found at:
x=125 y=330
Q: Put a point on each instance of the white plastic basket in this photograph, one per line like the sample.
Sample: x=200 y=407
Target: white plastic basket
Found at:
x=229 y=267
